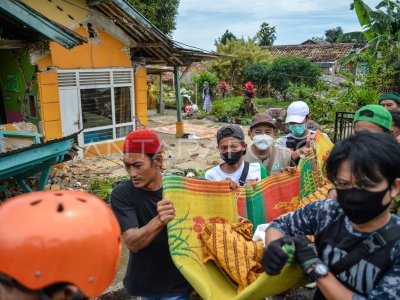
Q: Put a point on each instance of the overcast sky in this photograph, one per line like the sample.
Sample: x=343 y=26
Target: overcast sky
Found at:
x=199 y=23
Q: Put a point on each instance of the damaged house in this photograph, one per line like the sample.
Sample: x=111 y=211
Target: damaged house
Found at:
x=81 y=65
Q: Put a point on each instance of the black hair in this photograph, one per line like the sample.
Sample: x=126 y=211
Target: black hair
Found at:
x=396 y=119
x=373 y=156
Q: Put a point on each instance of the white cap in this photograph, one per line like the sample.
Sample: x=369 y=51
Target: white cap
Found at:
x=296 y=112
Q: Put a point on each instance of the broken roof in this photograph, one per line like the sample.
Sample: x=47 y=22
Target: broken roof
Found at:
x=313 y=52
x=151 y=44
x=32 y=26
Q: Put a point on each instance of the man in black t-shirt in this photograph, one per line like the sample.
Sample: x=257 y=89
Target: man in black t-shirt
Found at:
x=143 y=216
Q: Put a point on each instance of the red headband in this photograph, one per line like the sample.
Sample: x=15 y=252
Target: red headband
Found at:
x=142 y=141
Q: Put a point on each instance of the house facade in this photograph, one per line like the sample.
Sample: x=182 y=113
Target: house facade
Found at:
x=97 y=86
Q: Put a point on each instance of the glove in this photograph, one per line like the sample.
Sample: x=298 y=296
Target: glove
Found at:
x=306 y=253
x=274 y=258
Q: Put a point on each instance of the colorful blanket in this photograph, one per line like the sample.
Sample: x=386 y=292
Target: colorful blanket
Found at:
x=198 y=202
x=283 y=193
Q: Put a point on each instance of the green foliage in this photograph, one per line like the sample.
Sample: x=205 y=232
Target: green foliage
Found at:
x=292 y=70
x=102 y=187
x=232 y=107
x=266 y=35
x=381 y=29
x=324 y=101
x=208 y=76
x=257 y=73
x=227 y=36
x=228 y=107
x=269 y=102
x=243 y=53
x=162 y=13
x=331 y=35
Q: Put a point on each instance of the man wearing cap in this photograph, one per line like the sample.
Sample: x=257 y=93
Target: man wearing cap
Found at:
x=143 y=215
x=298 y=138
x=390 y=101
x=232 y=147
x=374 y=118
x=263 y=150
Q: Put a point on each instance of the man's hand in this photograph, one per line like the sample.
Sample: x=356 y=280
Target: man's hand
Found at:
x=252 y=182
x=232 y=185
x=306 y=253
x=290 y=170
x=165 y=211
x=274 y=258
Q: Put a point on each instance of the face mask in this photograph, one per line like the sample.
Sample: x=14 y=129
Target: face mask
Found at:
x=361 y=206
x=231 y=158
x=298 y=129
x=262 y=141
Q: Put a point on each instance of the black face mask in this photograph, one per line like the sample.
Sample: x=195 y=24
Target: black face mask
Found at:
x=361 y=206
x=231 y=158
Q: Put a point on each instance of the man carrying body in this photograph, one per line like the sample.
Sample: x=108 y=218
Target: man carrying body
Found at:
x=372 y=118
x=232 y=147
x=143 y=216
x=298 y=140
x=356 y=254
x=275 y=158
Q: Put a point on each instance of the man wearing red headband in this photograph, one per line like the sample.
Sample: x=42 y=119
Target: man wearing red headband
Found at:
x=143 y=216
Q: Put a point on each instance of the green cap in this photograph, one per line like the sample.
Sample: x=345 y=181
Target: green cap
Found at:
x=376 y=114
x=389 y=96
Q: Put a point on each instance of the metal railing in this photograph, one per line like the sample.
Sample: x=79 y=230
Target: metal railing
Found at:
x=343 y=125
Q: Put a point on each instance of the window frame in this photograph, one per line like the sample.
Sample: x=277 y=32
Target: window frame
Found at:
x=111 y=73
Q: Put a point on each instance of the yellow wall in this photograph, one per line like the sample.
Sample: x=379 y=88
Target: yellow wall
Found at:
x=103 y=149
x=106 y=54
x=141 y=94
x=49 y=100
x=61 y=11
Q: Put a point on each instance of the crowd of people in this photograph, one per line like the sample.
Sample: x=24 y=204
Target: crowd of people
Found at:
x=66 y=244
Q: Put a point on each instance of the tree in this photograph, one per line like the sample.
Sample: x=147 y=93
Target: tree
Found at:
x=162 y=13
x=331 y=35
x=292 y=70
x=381 y=31
x=258 y=74
x=241 y=53
x=227 y=36
x=266 y=35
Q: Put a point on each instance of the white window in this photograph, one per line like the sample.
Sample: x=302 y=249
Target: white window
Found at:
x=98 y=101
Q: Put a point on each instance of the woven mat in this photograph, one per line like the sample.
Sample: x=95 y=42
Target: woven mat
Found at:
x=200 y=132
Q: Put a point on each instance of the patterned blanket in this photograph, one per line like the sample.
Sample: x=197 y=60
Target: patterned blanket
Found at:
x=199 y=202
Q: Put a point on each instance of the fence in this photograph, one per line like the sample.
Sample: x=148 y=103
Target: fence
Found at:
x=343 y=125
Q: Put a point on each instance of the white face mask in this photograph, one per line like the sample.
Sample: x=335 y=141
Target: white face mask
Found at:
x=262 y=141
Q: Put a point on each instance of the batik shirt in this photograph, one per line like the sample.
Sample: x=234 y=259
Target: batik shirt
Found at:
x=366 y=279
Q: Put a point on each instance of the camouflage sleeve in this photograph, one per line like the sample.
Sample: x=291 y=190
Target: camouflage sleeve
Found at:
x=389 y=286
x=310 y=220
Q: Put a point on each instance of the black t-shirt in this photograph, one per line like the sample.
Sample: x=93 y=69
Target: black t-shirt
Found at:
x=151 y=271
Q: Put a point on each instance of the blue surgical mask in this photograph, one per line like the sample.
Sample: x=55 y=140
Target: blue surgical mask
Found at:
x=297 y=129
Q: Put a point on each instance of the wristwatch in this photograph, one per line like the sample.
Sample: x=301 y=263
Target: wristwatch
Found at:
x=317 y=271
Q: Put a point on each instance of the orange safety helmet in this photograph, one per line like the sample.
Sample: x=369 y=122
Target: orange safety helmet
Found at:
x=59 y=236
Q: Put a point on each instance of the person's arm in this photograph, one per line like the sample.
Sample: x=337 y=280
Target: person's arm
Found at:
x=333 y=289
x=138 y=238
x=272 y=235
